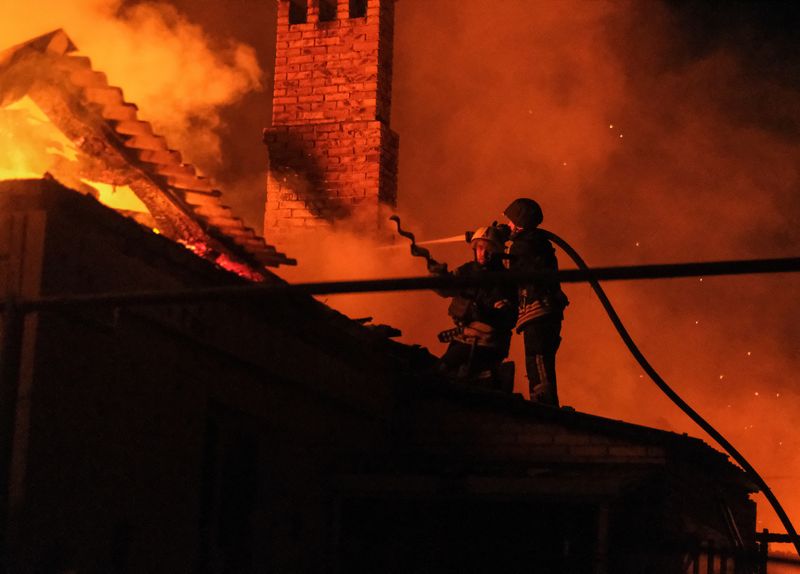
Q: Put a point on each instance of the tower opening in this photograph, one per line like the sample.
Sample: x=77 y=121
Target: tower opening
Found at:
x=298 y=11
x=358 y=8
x=327 y=10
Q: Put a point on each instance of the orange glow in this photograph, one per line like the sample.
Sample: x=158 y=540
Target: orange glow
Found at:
x=32 y=146
x=704 y=171
x=121 y=198
x=535 y=101
x=166 y=64
x=203 y=250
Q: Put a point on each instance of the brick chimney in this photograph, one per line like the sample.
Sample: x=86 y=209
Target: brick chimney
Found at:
x=332 y=155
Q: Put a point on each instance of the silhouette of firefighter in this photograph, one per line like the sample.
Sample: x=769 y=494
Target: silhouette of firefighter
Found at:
x=484 y=316
x=541 y=303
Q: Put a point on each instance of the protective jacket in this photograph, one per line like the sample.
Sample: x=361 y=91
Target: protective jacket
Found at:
x=483 y=315
x=530 y=250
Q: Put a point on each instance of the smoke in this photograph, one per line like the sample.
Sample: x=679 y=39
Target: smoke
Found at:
x=649 y=132
x=647 y=138
x=346 y=252
x=177 y=75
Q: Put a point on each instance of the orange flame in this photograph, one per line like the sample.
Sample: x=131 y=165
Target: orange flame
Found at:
x=32 y=146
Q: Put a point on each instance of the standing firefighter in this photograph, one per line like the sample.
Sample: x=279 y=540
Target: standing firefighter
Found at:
x=541 y=303
x=484 y=316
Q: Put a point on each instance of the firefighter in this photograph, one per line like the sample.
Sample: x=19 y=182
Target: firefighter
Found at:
x=484 y=316
x=541 y=303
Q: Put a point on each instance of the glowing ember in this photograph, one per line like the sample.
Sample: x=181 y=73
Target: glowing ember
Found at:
x=197 y=248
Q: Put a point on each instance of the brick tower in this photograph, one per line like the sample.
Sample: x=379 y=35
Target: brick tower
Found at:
x=332 y=156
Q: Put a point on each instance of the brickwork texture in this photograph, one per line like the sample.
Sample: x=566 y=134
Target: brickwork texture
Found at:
x=332 y=155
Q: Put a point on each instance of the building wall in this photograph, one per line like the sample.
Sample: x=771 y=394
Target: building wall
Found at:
x=332 y=155
x=180 y=437
x=21 y=253
x=21 y=244
x=277 y=436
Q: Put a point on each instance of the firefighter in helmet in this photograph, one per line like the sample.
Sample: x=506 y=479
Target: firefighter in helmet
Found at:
x=484 y=316
x=541 y=303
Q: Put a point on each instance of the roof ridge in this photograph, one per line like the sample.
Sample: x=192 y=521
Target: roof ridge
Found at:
x=55 y=42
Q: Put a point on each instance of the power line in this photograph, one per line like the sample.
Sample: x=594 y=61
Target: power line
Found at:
x=444 y=282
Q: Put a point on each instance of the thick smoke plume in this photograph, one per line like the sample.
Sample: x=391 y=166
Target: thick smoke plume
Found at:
x=643 y=144
x=646 y=139
x=165 y=64
x=642 y=148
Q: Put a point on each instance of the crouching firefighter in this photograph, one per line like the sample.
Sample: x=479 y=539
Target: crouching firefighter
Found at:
x=484 y=316
x=541 y=303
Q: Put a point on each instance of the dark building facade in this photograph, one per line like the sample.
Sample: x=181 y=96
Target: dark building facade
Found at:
x=276 y=435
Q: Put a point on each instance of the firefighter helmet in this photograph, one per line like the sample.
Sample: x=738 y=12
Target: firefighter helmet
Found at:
x=493 y=234
x=524 y=213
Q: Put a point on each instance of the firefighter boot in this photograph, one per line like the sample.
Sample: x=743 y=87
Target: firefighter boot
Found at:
x=542 y=380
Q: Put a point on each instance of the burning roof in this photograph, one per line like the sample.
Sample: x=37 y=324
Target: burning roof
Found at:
x=113 y=148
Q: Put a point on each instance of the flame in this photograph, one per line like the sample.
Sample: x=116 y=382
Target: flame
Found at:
x=166 y=64
x=121 y=198
x=32 y=146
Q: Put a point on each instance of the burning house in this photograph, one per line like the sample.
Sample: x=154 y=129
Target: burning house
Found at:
x=147 y=430
x=92 y=139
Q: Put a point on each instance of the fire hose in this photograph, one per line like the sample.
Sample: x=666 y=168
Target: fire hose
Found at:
x=674 y=397
x=662 y=385
x=416 y=250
